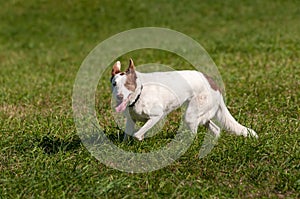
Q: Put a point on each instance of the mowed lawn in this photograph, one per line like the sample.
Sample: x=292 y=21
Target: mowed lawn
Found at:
x=256 y=46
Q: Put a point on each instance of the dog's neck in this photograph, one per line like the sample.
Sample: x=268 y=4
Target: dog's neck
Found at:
x=136 y=95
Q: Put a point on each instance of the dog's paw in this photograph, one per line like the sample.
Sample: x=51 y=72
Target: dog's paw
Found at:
x=251 y=133
x=139 y=137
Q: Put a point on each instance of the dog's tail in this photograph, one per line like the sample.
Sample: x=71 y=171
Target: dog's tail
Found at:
x=229 y=123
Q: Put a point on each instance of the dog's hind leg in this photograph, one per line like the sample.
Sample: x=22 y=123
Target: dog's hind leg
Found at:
x=215 y=129
x=197 y=112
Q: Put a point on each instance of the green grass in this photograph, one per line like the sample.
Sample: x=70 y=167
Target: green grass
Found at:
x=255 y=45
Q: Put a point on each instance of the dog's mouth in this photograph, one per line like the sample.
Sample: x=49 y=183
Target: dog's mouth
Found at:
x=121 y=105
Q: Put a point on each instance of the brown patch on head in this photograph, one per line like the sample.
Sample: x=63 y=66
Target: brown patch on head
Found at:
x=212 y=83
x=131 y=77
x=116 y=68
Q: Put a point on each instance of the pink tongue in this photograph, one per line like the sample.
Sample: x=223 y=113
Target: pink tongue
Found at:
x=122 y=106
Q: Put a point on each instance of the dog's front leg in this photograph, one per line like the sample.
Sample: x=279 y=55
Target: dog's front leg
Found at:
x=129 y=129
x=147 y=126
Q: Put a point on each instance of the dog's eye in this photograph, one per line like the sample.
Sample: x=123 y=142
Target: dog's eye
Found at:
x=114 y=84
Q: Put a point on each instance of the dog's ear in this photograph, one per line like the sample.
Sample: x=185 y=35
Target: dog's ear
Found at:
x=131 y=77
x=116 y=68
x=131 y=67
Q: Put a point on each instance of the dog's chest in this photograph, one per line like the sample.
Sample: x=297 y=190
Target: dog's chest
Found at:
x=137 y=115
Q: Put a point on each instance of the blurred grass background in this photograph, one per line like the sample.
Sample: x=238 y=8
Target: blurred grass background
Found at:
x=255 y=45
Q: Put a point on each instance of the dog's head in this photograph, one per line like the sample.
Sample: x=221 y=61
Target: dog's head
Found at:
x=124 y=84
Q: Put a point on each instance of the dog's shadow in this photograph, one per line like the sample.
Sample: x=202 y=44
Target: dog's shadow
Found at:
x=51 y=144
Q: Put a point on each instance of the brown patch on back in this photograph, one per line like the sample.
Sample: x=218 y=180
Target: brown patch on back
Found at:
x=212 y=83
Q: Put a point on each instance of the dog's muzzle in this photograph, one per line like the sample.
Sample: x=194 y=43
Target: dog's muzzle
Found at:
x=121 y=103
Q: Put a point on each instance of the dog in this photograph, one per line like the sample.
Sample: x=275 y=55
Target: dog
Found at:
x=149 y=97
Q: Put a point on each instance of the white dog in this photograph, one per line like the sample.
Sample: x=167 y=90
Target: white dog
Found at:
x=149 y=97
